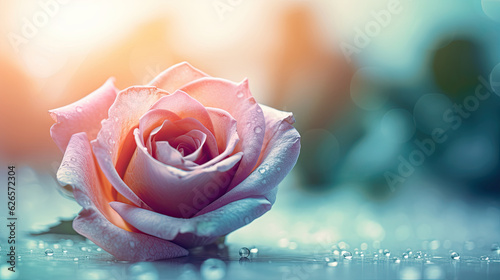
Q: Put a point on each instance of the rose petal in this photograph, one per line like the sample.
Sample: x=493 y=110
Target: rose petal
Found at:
x=171 y=130
x=168 y=155
x=98 y=221
x=84 y=115
x=152 y=119
x=173 y=191
x=199 y=230
x=116 y=136
x=236 y=99
x=279 y=155
x=225 y=129
x=176 y=76
x=185 y=106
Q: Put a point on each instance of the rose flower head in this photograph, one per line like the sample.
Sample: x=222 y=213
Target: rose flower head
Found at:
x=171 y=165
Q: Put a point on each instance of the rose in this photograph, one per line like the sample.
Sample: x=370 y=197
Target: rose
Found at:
x=171 y=165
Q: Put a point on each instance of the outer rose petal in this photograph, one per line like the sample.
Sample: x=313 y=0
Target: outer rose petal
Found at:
x=177 y=76
x=116 y=139
x=198 y=230
x=99 y=222
x=236 y=99
x=279 y=155
x=84 y=115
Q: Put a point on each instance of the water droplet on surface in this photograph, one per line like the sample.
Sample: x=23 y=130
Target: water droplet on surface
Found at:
x=98 y=249
x=262 y=170
x=240 y=94
x=49 y=252
x=84 y=249
x=64 y=251
x=396 y=260
x=111 y=141
x=332 y=263
x=244 y=252
x=485 y=258
x=257 y=129
x=405 y=255
x=75 y=259
x=143 y=271
x=213 y=269
x=244 y=261
x=347 y=255
x=254 y=251
x=387 y=253
x=455 y=256
x=79 y=109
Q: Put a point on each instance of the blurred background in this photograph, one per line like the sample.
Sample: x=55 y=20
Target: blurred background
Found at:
x=397 y=102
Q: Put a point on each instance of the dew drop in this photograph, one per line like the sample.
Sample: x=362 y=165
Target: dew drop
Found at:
x=387 y=253
x=64 y=251
x=111 y=141
x=240 y=94
x=332 y=262
x=262 y=170
x=396 y=260
x=405 y=256
x=213 y=269
x=98 y=249
x=49 y=252
x=75 y=259
x=244 y=252
x=79 y=109
x=454 y=256
x=485 y=258
x=347 y=255
x=257 y=129
x=254 y=251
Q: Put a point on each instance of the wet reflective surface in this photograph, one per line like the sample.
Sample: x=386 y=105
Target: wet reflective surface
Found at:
x=70 y=257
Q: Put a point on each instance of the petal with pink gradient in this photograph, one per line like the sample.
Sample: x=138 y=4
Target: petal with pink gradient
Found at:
x=176 y=192
x=237 y=100
x=278 y=156
x=199 y=230
x=98 y=221
x=115 y=143
x=84 y=115
x=184 y=106
x=177 y=76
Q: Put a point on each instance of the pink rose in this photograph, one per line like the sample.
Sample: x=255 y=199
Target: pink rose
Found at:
x=171 y=165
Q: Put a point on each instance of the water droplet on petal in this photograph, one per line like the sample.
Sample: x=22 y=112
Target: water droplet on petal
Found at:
x=49 y=252
x=213 y=269
x=240 y=94
x=454 y=256
x=79 y=109
x=257 y=129
x=244 y=252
